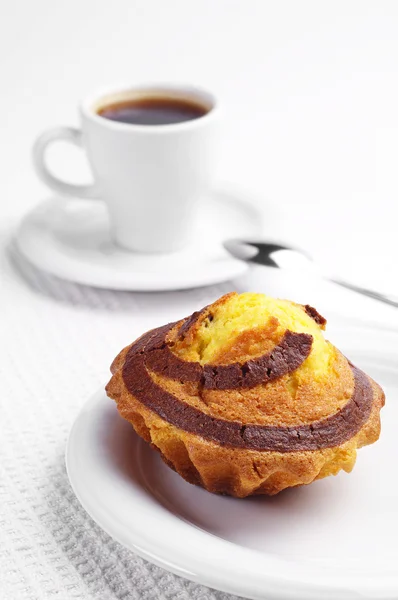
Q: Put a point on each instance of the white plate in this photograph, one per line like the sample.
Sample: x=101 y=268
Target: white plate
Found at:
x=70 y=238
x=334 y=539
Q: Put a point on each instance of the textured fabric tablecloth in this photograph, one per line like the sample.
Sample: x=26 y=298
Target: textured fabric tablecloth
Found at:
x=57 y=342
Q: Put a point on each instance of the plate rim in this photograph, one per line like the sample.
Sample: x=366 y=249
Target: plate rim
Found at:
x=279 y=583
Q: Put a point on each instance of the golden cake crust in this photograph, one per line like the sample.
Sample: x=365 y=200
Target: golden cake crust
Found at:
x=235 y=471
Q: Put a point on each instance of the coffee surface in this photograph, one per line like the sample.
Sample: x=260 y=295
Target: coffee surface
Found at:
x=153 y=111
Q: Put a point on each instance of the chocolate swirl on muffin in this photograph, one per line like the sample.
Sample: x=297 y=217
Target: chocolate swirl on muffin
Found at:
x=236 y=419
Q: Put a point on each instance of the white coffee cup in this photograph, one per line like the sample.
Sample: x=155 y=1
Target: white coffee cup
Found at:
x=150 y=176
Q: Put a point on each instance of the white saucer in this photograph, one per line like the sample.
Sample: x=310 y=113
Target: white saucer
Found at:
x=70 y=238
x=335 y=539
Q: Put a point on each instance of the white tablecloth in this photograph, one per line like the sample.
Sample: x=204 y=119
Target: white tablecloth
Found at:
x=57 y=342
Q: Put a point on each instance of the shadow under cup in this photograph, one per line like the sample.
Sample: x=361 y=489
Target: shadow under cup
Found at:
x=153 y=153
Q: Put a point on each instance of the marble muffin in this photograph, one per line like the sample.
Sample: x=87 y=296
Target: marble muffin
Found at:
x=247 y=397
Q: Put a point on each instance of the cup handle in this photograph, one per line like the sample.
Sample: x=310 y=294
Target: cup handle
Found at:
x=39 y=149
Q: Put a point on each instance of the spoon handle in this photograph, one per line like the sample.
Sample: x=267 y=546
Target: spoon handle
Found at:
x=387 y=299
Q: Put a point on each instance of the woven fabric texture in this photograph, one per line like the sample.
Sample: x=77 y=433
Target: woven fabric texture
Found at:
x=57 y=342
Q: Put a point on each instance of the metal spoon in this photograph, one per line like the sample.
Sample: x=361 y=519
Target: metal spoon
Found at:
x=280 y=256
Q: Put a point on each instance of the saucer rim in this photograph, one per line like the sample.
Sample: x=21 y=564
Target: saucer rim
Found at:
x=106 y=278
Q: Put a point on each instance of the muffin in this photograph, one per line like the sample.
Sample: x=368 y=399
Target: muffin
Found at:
x=247 y=397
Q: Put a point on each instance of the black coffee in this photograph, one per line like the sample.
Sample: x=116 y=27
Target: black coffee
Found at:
x=153 y=111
